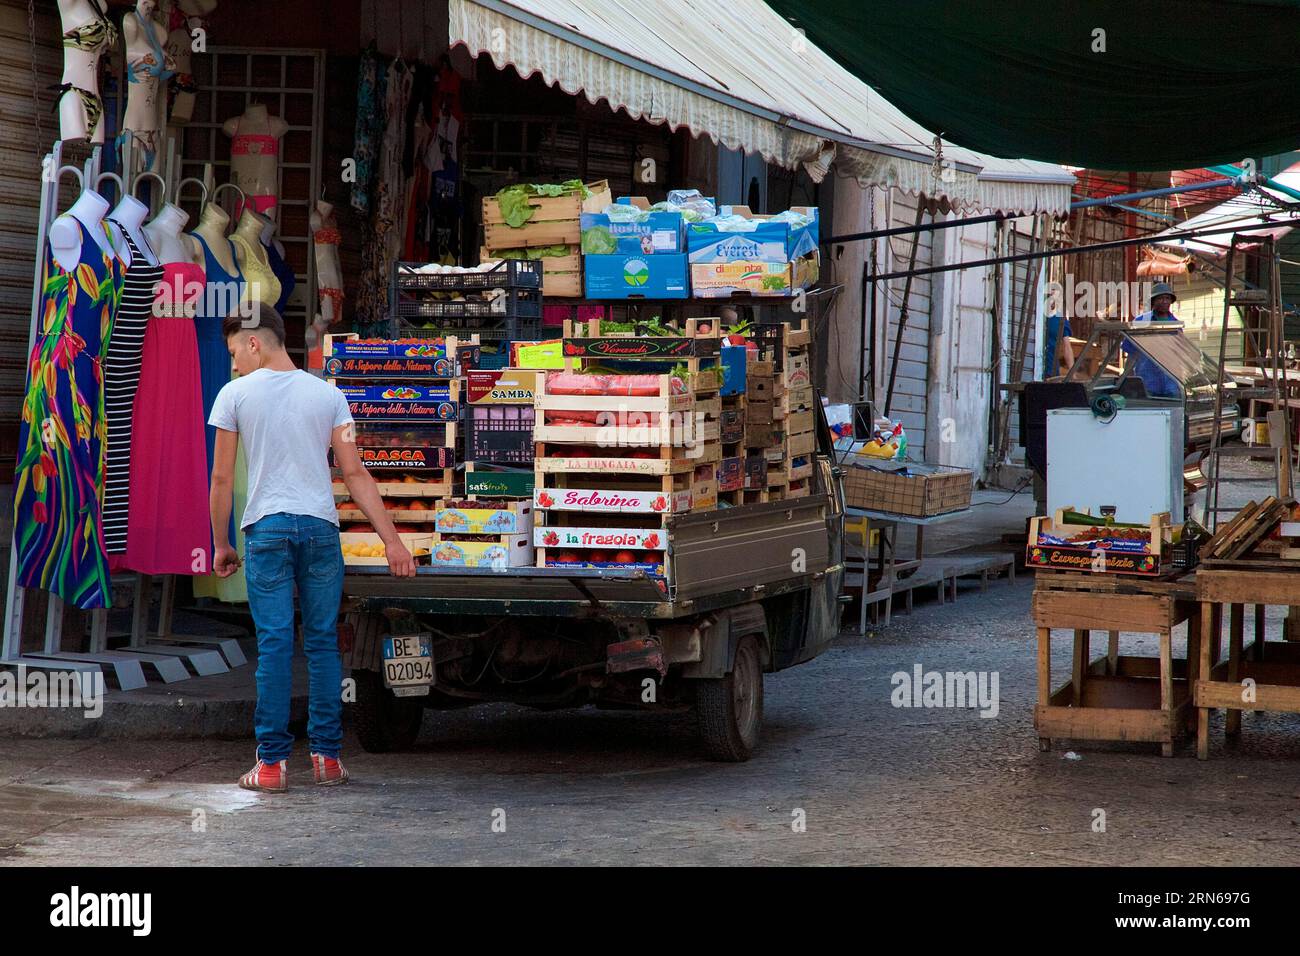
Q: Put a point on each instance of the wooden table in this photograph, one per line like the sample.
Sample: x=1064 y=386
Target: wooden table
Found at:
x=1115 y=697
x=1274 y=667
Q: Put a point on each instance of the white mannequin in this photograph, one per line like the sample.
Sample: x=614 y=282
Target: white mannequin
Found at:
x=329 y=271
x=129 y=214
x=138 y=29
x=167 y=238
x=65 y=237
x=213 y=222
x=180 y=45
x=254 y=161
x=83 y=18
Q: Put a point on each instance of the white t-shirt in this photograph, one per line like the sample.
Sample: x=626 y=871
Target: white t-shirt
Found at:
x=285 y=421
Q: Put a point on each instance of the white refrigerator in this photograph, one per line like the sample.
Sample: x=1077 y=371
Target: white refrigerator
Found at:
x=1133 y=462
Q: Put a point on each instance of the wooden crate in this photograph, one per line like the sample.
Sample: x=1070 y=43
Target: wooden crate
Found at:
x=919 y=495
x=437 y=485
x=561 y=275
x=555 y=222
x=1042 y=549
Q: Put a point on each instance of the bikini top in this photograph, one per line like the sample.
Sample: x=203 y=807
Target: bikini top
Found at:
x=254 y=144
x=263 y=284
x=93 y=37
x=158 y=66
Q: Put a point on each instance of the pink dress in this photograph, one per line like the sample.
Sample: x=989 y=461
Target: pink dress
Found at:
x=168 y=529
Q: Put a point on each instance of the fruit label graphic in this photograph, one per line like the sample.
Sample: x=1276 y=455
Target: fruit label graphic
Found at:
x=389 y=367
x=484 y=520
x=627 y=502
x=667 y=346
x=403 y=458
x=643 y=539
x=500 y=387
x=499 y=484
x=387 y=349
x=1081 y=559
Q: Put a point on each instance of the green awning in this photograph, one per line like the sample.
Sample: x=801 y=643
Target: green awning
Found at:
x=1167 y=85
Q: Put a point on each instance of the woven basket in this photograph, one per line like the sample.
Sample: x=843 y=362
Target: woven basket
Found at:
x=926 y=491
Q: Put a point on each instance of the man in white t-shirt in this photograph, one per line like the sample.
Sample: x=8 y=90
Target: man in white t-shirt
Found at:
x=288 y=420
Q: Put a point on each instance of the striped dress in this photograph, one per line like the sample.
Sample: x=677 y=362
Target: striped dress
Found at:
x=121 y=379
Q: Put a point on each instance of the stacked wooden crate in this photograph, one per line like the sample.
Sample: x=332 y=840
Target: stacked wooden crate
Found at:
x=780 y=417
x=555 y=222
x=404 y=395
x=619 y=453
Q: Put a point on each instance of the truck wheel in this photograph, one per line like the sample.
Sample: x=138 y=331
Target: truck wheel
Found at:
x=384 y=721
x=730 y=709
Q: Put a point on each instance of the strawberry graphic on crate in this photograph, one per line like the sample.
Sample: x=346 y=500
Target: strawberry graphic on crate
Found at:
x=544 y=500
x=659 y=504
x=571 y=348
x=550 y=539
x=651 y=541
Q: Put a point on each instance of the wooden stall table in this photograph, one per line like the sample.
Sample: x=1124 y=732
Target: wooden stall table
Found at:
x=1115 y=697
x=1273 y=666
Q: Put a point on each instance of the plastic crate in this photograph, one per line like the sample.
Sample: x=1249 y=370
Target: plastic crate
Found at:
x=517 y=305
x=500 y=434
x=509 y=274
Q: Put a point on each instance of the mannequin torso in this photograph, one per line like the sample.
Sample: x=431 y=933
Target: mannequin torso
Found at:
x=65 y=234
x=212 y=229
x=167 y=239
x=255 y=154
x=253 y=262
x=144 y=50
x=87 y=34
x=129 y=214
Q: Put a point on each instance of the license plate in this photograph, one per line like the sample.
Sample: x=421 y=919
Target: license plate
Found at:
x=408 y=664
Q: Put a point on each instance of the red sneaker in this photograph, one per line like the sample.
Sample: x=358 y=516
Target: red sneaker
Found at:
x=270 y=777
x=329 y=771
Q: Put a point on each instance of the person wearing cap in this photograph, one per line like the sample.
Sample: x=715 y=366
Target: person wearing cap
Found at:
x=1159 y=384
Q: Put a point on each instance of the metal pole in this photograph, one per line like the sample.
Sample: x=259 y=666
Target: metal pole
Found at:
x=1151 y=194
x=1096 y=247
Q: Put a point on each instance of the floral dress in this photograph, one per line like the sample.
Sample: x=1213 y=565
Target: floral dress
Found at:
x=62 y=439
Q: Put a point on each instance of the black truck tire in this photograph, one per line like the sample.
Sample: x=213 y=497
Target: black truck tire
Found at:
x=730 y=709
x=384 y=721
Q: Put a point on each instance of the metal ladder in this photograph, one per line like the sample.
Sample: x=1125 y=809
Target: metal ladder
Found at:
x=1268 y=344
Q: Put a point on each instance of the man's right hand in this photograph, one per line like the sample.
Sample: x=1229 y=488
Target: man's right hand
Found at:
x=400 y=562
x=225 y=562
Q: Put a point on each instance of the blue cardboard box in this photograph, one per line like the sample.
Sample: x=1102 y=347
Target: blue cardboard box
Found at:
x=660 y=233
x=636 y=277
x=768 y=242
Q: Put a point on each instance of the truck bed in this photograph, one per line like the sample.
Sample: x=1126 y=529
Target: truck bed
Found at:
x=716 y=559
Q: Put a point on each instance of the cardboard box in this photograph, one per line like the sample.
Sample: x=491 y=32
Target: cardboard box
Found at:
x=720 y=280
x=508 y=551
x=401 y=402
x=499 y=484
x=503 y=386
x=537 y=355
x=636 y=277
x=660 y=233
x=517 y=519
x=770 y=240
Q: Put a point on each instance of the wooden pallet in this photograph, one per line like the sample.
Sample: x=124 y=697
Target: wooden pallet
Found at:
x=1246 y=530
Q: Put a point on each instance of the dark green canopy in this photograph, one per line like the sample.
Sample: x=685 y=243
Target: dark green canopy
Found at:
x=1168 y=85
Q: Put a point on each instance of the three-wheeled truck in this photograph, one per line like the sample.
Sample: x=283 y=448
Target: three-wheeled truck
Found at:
x=748 y=590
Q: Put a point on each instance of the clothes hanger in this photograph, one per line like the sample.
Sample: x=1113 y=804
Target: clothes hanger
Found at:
x=121 y=190
x=149 y=172
x=180 y=187
x=243 y=199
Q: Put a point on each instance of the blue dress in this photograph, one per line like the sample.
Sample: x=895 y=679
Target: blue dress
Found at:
x=63 y=436
x=221 y=295
x=283 y=273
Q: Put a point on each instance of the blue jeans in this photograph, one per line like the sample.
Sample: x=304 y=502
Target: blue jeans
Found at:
x=281 y=551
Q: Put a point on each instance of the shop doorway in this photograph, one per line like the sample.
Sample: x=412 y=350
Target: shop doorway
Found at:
x=288 y=82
